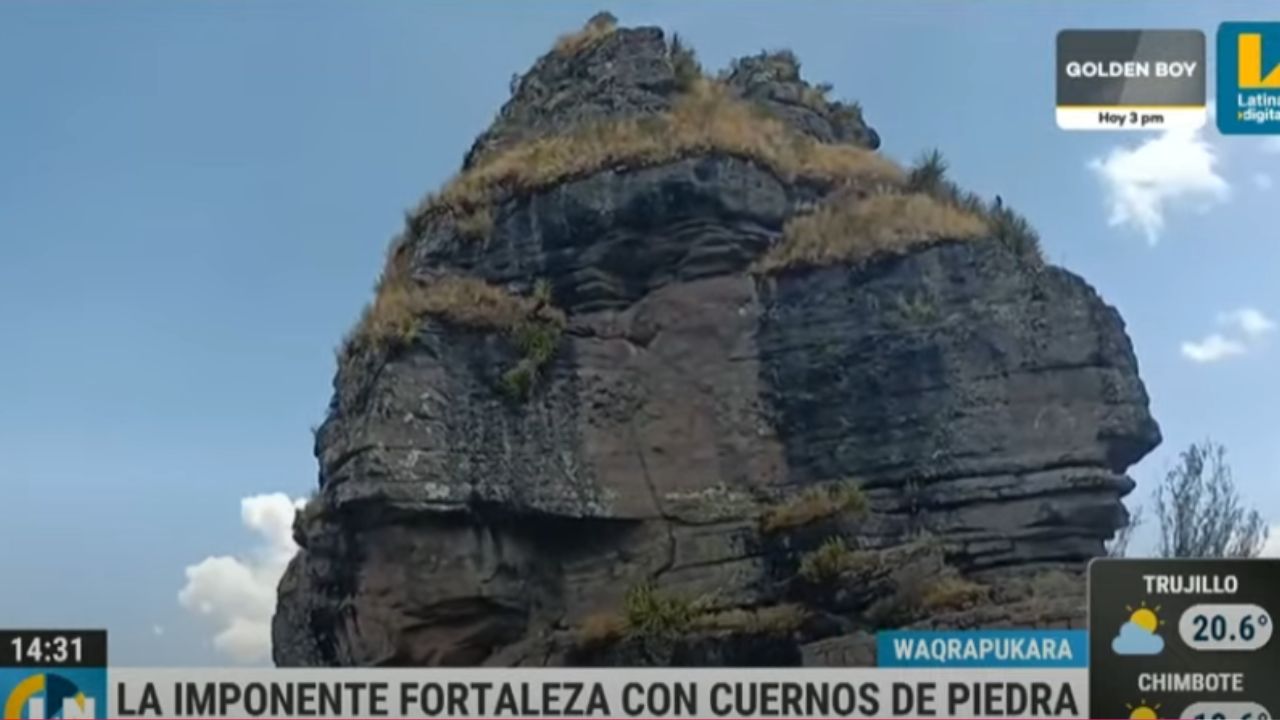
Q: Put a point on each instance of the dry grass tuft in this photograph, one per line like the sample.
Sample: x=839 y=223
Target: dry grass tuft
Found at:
x=601 y=629
x=707 y=119
x=783 y=618
x=814 y=504
x=952 y=592
x=394 y=317
x=597 y=28
x=826 y=563
x=849 y=230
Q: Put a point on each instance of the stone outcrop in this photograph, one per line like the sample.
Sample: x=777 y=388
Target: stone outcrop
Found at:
x=974 y=396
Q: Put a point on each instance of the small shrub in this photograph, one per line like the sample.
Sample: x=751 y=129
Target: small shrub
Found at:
x=517 y=383
x=654 y=613
x=825 y=564
x=815 y=504
x=952 y=592
x=848 y=230
x=1056 y=584
x=815 y=97
x=917 y=309
x=928 y=174
x=477 y=224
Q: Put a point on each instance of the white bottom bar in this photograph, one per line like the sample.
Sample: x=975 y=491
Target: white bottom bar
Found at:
x=675 y=694
x=1132 y=118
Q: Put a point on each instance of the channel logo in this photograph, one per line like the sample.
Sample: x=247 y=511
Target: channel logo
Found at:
x=64 y=694
x=1249 y=78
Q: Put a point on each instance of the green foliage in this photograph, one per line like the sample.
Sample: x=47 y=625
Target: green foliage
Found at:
x=917 y=308
x=929 y=175
x=537 y=339
x=825 y=564
x=517 y=383
x=1200 y=512
x=653 y=613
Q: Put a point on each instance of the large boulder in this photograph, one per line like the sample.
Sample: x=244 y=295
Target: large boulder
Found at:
x=645 y=481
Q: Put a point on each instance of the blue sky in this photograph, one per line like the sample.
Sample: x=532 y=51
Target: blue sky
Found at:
x=195 y=198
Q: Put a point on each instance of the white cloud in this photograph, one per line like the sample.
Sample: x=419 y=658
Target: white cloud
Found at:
x=238 y=595
x=1246 y=326
x=1262 y=181
x=1250 y=321
x=1143 y=181
x=1212 y=349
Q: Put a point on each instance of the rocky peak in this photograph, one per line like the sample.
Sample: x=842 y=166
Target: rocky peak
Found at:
x=680 y=370
x=601 y=72
x=604 y=72
x=772 y=80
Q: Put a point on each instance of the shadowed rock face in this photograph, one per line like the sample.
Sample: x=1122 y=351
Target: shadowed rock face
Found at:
x=990 y=401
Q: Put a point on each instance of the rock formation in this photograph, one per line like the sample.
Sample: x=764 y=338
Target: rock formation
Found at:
x=680 y=370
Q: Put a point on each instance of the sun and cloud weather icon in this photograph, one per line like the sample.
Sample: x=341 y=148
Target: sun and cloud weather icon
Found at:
x=1143 y=711
x=1138 y=635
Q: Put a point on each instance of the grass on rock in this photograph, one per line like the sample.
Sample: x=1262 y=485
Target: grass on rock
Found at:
x=706 y=119
x=848 y=230
x=814 y=504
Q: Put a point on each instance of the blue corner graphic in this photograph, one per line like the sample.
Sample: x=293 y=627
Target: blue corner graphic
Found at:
x=1249 y=78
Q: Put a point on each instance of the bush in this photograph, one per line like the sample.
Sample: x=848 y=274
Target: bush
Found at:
x=1201 y=514
x=707 y=119
x=929 y=176
x=817 y=503
x=825 y=564
x=848 y=230
x=654 y=613
x=952 y=592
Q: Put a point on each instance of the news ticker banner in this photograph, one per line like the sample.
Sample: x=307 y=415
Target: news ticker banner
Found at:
x=677 y=693
x=970 y=674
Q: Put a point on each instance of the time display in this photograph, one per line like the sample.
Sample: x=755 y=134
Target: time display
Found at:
x=57 y=649
x=53 y=648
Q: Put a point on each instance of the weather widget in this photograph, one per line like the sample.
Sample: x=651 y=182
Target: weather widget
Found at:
x=1183 y=638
